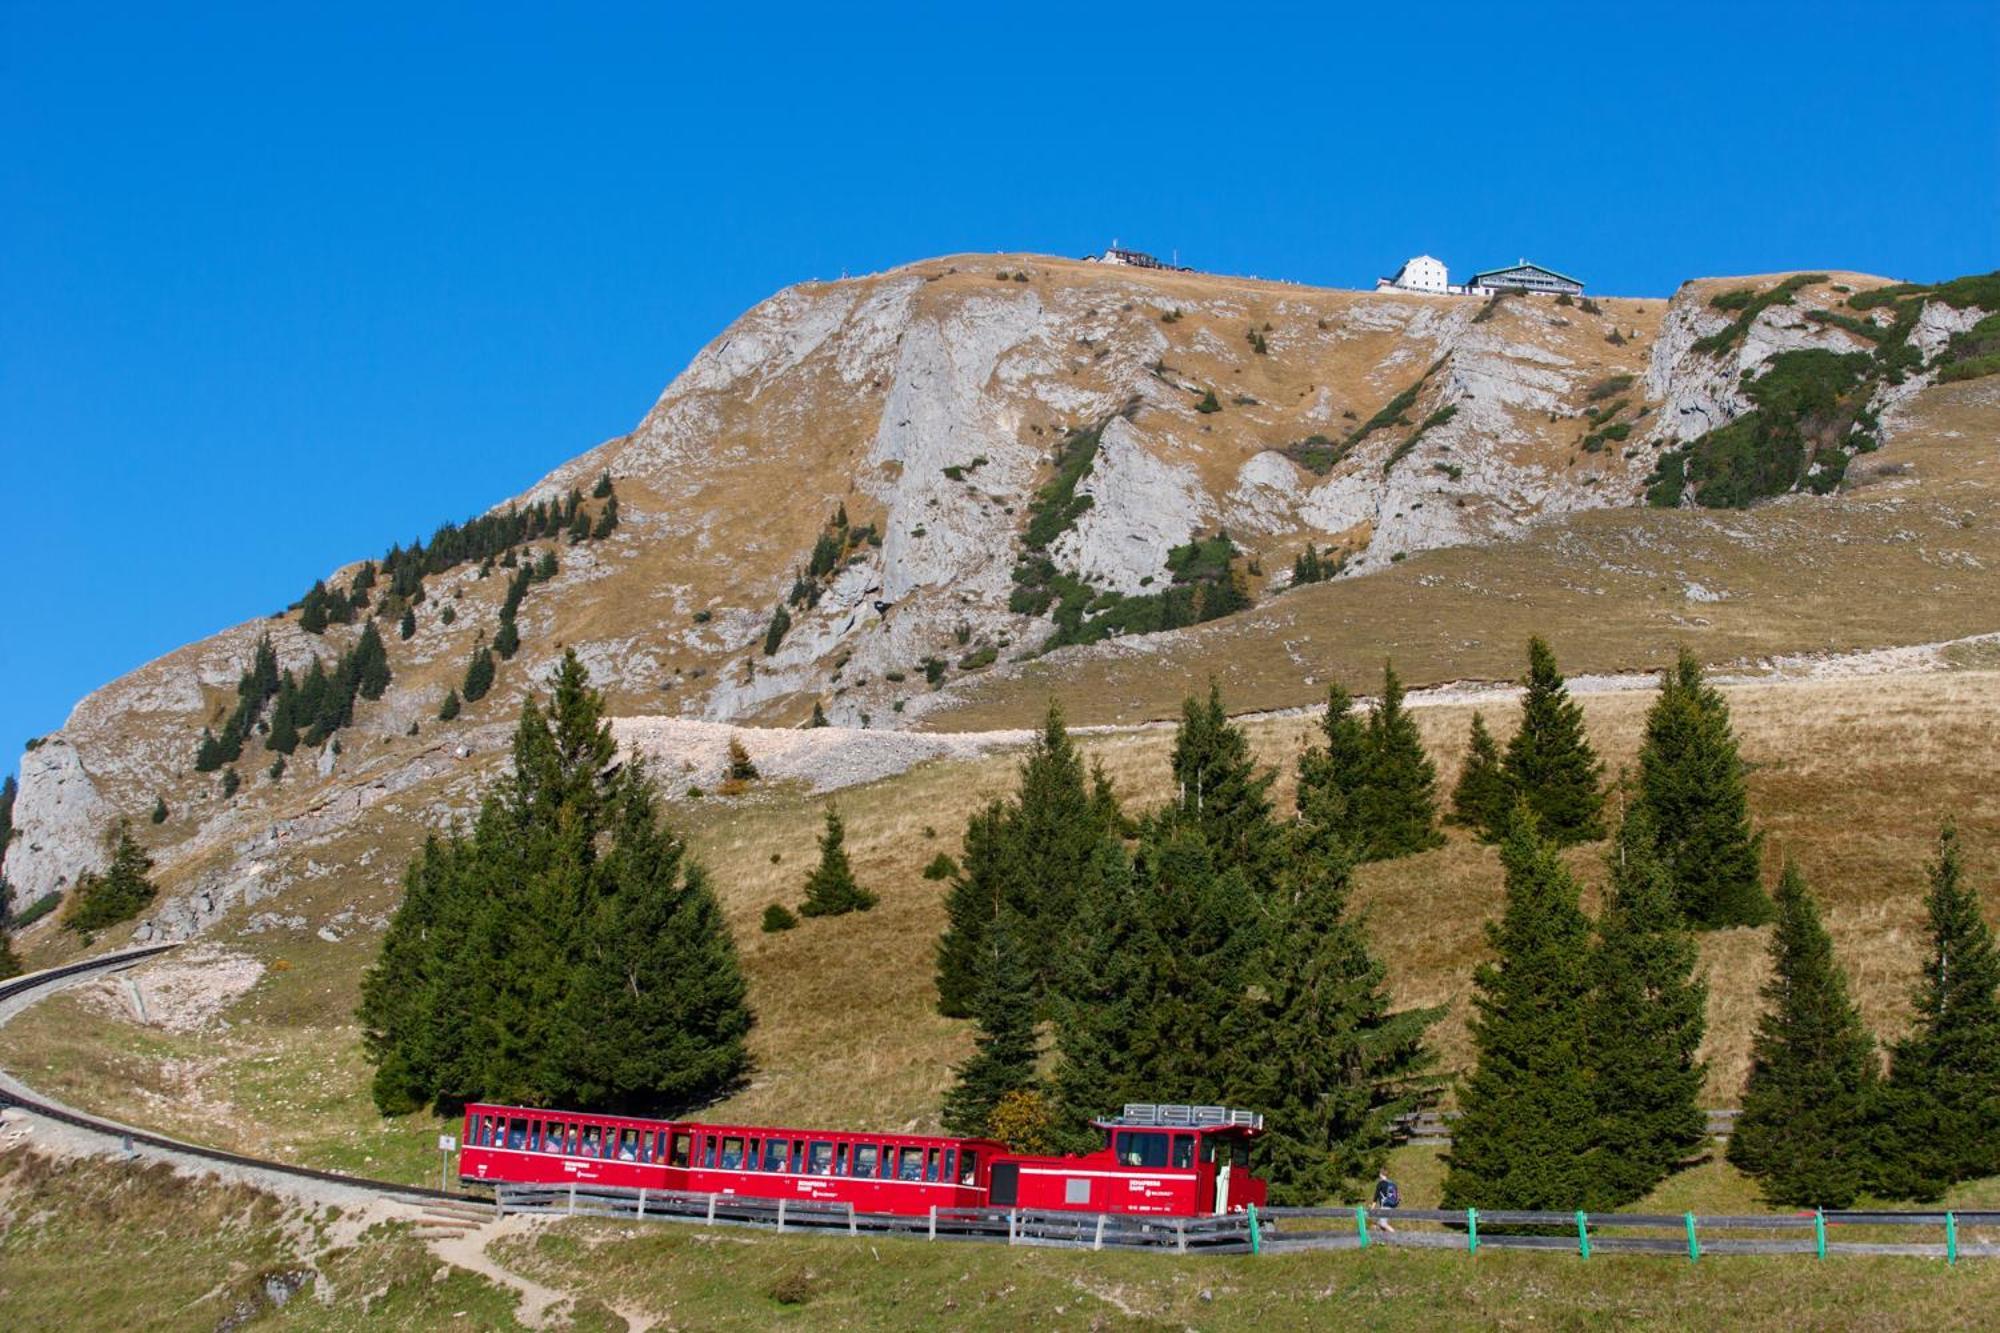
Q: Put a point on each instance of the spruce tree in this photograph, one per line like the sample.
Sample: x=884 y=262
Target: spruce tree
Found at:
x=407 y=626
x=740 y=769
x=1941 y=1104
x=1527 y=1118
x=1099 y=999
x=1221 y=792
x=1338 y=1066
x=607 y=520
x=10 y=791
x=1331 y=777
x=602 y=490
x=508 y=641
x=1803 y=1130
x=1691 y=782
x=1053 y=828
x=449 y=708
x=1481 y=800
x=478 y=674
x=118 y=894
x=830 y=888
x=207 y=753
x=1004 y=1054
x=1549 y=760
x=971 y=906
x=1647 y=1014
x=313 y=613
x=781 y=624
x=371 y=663
x=1397 y=806
x=159 y=815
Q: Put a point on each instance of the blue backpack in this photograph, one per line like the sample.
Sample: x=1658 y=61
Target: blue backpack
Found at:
x=1390 y=1196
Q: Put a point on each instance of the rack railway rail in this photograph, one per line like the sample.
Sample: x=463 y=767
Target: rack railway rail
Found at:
x=1255 y=1231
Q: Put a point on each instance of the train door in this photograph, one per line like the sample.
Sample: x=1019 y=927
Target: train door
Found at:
x=1006 y=1185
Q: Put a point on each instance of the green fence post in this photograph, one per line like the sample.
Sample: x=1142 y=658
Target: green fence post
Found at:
x=1694 y=1246
x=1819 y=1231
x=1256 y=1241
x=1582 y=1235
x=1472 y=1231
x=1361 y=1225
x=1951 y=1238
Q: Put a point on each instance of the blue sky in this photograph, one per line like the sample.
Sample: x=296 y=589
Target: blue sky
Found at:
x=282 y=284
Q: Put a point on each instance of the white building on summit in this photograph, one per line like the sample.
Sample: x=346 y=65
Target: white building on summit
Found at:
x=1422 y=274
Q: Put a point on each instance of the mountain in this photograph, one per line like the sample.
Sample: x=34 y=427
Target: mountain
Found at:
x=976 y=479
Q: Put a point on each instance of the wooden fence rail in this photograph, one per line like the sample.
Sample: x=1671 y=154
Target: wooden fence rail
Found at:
x=1280 y=1230
x=1434 y=1127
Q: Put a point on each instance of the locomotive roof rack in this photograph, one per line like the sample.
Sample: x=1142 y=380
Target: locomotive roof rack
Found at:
x=1175 y=1115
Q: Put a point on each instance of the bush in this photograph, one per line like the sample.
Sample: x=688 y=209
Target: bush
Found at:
x=941 y=867
x=778 y=917
x=1208 y=403
x=979 y=657
x=119 y=894
x=1609 y=387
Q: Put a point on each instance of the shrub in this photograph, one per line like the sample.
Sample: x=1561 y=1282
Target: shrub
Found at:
x=1208 y=403
x=778 y=917
x=979 y=657
x=941 y=866
x=1609 y=387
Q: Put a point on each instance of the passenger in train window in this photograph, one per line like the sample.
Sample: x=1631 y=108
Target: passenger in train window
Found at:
x=593 y=1142
x=951 y=1164
x=708 y=1152
x=913 y=1164
x=820 y=1161
x=776 y=1155
x=864 y=1159
x=931 y=1164
x=628 y=1146
x=840 y=1159
x=732 y=1154
x=969 y=1175
x=517 y=1134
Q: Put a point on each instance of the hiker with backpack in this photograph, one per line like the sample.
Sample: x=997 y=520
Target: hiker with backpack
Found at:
x=1387 y=1197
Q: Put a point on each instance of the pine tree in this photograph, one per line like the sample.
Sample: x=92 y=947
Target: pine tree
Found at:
x=10 y=791
x=830 y=888
x=208 y=753
x=449 y=708
x=1941 y=1104
x=1647 y=1014
x=778 y=917
x=508 y=641
x=1331 y=777
x=1803 y=1130
x=371 y=659
x=1221 y=792
x=1481 y=800
x=1691 y=782
x=545 y=567
x=566 y=952
x=602 y=490
x=971 y=906
x=478 y=674
x=313 y=611
x=1527 y=1118
x=1549 y=760
x=1054 y=825
x=607 y=520
x=284 y=737
x=740 y=767
x=781 y=624
x=1339 y=1066
x=231 y=781
x=120 y=893
x=818 y=716
x=1103 y=991
x=1307 y=566
x=407 y=627
x=1397 y=805
x=159 y=815
x=1003 y=1058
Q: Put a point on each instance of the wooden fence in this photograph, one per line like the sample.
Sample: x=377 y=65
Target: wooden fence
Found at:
x=1938 y=1235
x=1432 y=1126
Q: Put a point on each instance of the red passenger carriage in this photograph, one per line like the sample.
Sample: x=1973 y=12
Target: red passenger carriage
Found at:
x=1178 y=1161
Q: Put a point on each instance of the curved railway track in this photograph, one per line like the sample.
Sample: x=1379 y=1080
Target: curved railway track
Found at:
x=14 y=1093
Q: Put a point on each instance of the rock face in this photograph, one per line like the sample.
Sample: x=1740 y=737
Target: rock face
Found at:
x=929 y=405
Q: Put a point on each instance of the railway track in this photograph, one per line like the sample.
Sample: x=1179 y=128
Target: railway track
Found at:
x=17 y=1094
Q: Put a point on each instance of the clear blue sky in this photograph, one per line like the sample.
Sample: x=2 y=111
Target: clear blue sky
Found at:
x=280 y=284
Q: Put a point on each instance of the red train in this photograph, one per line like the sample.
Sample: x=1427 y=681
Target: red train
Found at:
x=1177 y=1161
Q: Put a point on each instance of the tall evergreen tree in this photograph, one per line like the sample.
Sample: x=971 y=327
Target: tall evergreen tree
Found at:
x=1527 y=1118
x=1397 y=806
x=371 y=663
x=449 y=708
x=1803 y=1130
x=313 y=611
x=478 y=674
x=1100 y=998
x=1941 y=1108
x=1053 y=828
x=1691 y=782
x=971 y=906
x=1481 y=800
x=831 y=889
x=1003 y=1059
x=1331 y=777
x=1221 y=792
x=1338 y=1066
x=208 y=755
x=566 y=951
x=10 y=790
x=407 y=626
x=1549 y=760
x=781 y=624
x=1647 y=1014
x=119 y=893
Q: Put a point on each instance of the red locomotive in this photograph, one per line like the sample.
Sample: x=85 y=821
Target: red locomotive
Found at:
x=1177 y=1161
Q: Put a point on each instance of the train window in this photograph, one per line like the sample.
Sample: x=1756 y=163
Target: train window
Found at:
x=951 y=1164
x=628 y=1145
x=750 y=1154
x=798 y=1155
x=732 y=1153
x=593 y=1142
x=1183 y=1150
x=683 y=1144
x=820 y=1160
x=1141 y=1148
x=517 y=1134
x=912 y=1166
x=840 y=1159
x=970 y=1174
x=1239 y=1154
x=708 y=1151
x=864 y=1159
x=775 y=1155
x=931 y=1163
